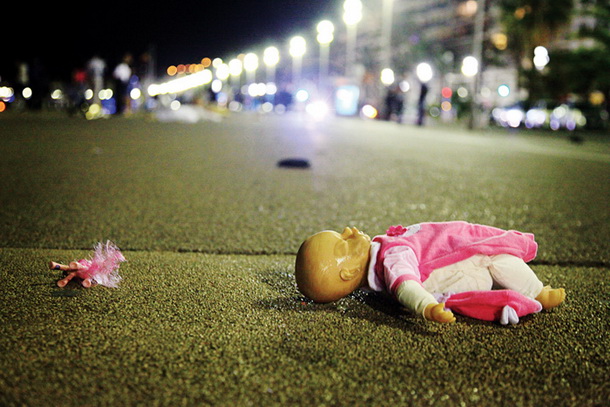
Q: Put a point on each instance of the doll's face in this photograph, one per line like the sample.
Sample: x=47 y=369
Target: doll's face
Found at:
x=331 y=265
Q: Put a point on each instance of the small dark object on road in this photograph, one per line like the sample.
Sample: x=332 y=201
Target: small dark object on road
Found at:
x=293 y=163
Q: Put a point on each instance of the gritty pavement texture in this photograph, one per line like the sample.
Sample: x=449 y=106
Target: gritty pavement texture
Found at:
x=208 y=312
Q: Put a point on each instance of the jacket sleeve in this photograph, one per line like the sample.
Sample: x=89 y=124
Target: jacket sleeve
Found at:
x=403 y=280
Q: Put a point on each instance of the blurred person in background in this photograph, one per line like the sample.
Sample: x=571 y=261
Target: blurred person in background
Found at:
x=122 y=75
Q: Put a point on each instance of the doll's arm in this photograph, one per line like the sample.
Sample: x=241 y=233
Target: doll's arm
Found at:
x=414 y=297
x=401 y=270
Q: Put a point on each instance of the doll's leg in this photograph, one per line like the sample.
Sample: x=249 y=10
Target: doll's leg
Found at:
x=512 y=273
x=58 y=266
x=62 y=283
x=467 y=275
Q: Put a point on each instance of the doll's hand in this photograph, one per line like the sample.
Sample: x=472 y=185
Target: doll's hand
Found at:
x=437 y=313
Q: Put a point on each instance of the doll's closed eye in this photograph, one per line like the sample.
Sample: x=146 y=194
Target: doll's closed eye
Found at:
x=341 y=249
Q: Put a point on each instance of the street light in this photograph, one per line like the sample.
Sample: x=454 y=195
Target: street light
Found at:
x=271 y=57
x=352 y=14
x=387 y=76
x=470 y=66
x=297 y=49
x=386 y=34
x=222 y=71
x=235 y=70
x=424 y=72
x=541 y=57
x=325 y=37
x=251 y=65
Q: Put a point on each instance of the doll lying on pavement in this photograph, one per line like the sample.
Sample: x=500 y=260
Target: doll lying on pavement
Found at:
x=433 y=269
x=102 y=268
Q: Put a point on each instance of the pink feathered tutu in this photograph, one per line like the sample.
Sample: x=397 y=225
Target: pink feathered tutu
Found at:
x=103 y=267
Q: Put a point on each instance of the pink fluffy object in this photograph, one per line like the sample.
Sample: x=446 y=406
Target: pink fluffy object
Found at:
x=103 y=266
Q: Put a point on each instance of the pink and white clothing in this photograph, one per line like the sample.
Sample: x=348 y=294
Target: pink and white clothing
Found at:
x=420 y=263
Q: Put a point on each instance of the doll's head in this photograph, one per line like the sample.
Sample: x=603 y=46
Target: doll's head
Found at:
x=331 y=265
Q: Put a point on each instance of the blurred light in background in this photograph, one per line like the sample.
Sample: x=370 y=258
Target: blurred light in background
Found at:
x=271 y=89
x=404 y=85
x=181 y=84
x=302 y=95
x=470 y=66
x=6 y=93
x=135 y=94
x=500 y=41
x=541 y=57
x=216 y=85
x=346 y=100
x=271 y=56
x=222 y=71
x=503 y=90
x=424 y=72
x=387 y=76
x=317 y=110
x=596 y=98
x=57 y=94
x=235 y=67
x=368 y=112
x=467 y=8
x=325 y=32
x=250 y=66
x=352 y=12
x=298 y=46
x=105 y=94
x=26 y=93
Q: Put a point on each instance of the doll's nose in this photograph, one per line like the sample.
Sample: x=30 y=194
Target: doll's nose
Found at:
x=347 y=232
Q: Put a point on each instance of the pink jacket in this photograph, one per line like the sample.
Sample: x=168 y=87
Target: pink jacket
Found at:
x=435 y=245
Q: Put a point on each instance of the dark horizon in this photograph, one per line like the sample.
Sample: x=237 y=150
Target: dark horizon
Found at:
x=65 y=39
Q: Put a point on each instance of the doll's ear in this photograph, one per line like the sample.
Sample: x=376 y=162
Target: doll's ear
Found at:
x=347 y=275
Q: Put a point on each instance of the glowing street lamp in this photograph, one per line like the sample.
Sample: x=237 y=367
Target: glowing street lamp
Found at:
x=352 y=14
x=424 y=72
x=271 y=57
x=387 y=76
x=386 y=34
x=235 y=70
x=297 y=49
x=470 y=66
x=325 y=37
x=541 y=57
x=250 y=66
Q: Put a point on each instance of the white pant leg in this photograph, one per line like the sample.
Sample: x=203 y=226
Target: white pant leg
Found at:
x=471 y=274
x=512 y=273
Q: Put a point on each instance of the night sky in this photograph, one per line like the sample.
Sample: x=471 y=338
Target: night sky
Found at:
x=64 y=37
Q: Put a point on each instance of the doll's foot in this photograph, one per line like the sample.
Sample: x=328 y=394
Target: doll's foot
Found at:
x=86 y=283
x=551 y=297
x=64 y=281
